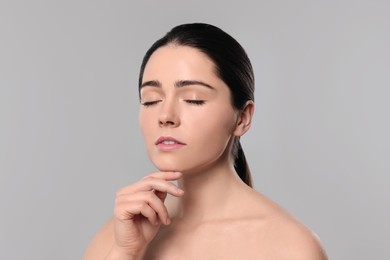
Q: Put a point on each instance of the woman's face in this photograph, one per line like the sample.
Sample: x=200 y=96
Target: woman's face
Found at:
x=186 y=115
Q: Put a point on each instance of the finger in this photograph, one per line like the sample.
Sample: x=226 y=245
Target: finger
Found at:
x=125 y=211
x=151 y=199
x=163 y=176
x=149 y=213
x=151 y=183
x=168 y=176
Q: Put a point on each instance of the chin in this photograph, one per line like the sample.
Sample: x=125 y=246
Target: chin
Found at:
x=185 y=168
x=168 y=162
x=184 y=164
x=167 y=166
x=176 y=166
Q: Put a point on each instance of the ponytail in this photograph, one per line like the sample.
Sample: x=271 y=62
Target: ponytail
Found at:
x=240 y=164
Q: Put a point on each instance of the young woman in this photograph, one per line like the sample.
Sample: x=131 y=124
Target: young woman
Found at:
x=196 y=89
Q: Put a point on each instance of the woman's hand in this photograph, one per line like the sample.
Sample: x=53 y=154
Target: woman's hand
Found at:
x=139 y=212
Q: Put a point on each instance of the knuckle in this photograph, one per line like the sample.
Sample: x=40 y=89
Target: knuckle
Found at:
x=150 y=175
x=148 y=178
x=150 y=196
x=171 y=185
x=122 y=191
x=120 y=198
x=143 y=207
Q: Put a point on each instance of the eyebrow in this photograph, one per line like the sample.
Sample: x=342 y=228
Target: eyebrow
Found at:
x=178 y=84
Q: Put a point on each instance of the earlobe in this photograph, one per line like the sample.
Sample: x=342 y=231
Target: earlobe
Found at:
x=244 y=119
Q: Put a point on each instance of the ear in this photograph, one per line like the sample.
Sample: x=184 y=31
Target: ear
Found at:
x=244 y=119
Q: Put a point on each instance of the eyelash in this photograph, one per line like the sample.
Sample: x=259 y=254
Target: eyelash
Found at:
x=193 y=102
x=150 y=103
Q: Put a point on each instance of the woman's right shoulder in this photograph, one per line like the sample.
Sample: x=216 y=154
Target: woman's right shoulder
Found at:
x=101 y=243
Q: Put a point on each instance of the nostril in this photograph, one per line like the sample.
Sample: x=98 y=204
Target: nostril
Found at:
x=167 y=122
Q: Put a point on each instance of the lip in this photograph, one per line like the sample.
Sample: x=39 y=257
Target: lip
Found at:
x=173 y=145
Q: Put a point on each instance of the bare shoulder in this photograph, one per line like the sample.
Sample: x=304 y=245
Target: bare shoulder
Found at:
x=101 y=243
x=293 y=240
x=284 y=235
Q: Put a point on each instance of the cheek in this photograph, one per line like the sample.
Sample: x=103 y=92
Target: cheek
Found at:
x=145 y=123
x=215 y=125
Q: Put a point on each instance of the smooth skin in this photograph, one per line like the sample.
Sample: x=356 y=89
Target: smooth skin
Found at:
x=210 y=213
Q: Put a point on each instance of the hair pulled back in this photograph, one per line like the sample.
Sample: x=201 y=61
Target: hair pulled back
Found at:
x=232 y=66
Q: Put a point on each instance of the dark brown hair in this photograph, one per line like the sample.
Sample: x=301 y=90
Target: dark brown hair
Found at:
x=232 y=66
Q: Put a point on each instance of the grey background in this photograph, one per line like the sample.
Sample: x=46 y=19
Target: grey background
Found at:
x=69 y=135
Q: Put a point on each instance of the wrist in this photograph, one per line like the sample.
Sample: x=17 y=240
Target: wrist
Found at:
x=118 y=254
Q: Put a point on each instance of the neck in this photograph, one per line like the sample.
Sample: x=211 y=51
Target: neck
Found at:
x=208 y=193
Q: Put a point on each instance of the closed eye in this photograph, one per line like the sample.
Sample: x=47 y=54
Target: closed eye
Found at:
x=195 y=102
x=150 y=103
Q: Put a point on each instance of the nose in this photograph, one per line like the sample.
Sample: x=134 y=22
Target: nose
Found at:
x=168 y=115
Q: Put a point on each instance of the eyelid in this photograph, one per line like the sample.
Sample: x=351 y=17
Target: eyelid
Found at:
x=150 y=103
x=150 y=93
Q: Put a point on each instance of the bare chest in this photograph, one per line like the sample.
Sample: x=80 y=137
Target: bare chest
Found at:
x=217 y=241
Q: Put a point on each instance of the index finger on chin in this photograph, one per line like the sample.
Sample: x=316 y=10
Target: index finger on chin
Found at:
x=168 y=176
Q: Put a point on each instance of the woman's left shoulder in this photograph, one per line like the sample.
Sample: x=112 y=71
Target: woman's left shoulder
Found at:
x=296 y=241
x=287 y=237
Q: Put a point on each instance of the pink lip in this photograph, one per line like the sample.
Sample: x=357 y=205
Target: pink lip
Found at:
x=173 y=145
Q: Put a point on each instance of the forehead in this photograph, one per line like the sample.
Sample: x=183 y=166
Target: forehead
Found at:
x=179 y=62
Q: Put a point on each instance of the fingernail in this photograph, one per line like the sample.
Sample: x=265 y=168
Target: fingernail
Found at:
x=168 y=221
x=180 y=191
